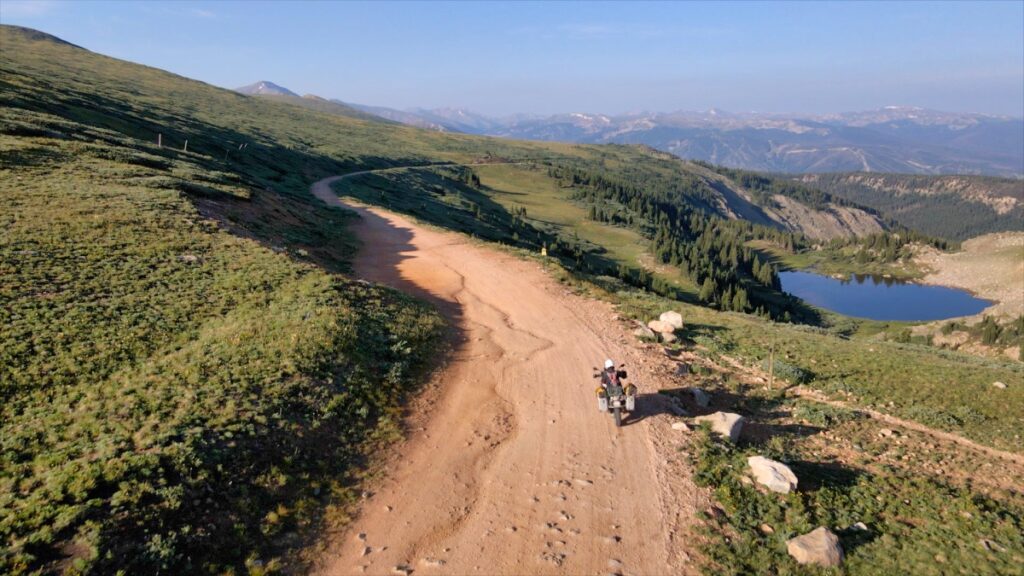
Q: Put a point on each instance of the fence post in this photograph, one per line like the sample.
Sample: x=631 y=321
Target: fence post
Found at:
x=159 y=140
x=185 y=149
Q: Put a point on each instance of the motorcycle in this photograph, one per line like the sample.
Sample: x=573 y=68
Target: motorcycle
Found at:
x=615 y=397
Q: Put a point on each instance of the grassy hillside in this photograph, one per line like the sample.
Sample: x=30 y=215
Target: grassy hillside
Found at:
x=186 y=378
x=324 y=105
x=954 y=207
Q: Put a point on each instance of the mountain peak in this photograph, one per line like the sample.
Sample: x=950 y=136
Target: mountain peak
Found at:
x=265 y=87
x=36 y=35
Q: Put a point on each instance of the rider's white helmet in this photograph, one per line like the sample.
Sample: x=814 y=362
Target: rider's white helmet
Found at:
x=608 y=364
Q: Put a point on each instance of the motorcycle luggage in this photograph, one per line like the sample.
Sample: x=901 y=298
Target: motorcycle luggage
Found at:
x=630 y=403
x=602 y=404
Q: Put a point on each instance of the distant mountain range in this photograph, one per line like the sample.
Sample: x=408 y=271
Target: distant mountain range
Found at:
x=892 y=139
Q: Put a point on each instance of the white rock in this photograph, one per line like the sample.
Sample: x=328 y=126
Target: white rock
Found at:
x=820 y=547
x=668 y=337
x=675 y=319
x=775 y=475
x=727 y=424
x=662 y=327
x=700 y=397
x=644 y=332
x=680 y=426
x=1000 y=385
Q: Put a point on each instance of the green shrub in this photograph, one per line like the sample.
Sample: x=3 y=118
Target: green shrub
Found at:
x=789 y=372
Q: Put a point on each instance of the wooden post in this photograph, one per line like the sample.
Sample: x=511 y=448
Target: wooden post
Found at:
x=185 y=149
x=159 y=140
x=771 y=367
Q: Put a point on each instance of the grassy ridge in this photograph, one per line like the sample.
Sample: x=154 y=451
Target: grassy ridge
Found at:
x=955 y=207
x=185 y=380
x=174 y=395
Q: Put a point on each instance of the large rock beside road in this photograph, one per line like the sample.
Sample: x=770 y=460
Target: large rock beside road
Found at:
x=727 y=424
x=674 y=319
x=644 y=332
x=776 y=476
x=668 y=338
x=819 y=546
x=661 y=327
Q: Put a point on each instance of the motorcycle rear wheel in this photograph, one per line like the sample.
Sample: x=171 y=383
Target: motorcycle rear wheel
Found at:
x=618 y=416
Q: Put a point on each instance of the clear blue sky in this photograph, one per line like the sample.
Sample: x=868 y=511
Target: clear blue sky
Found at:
x=499 y=58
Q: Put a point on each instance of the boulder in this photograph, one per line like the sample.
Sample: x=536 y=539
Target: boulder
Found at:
x=662 y=327
x=776 y=476
x=668 y=337
x=727 y=424
x=700 y=397
x=681 y=426
x=644 y=332
x=820 y=547
x=672 y=318
x=999 y=385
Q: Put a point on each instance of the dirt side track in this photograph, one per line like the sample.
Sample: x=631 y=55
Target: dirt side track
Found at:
x=516 y=472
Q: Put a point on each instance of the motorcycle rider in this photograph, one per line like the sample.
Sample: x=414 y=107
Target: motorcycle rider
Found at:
x=609 y=376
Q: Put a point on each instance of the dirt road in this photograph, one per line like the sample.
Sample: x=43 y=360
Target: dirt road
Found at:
x=516 y=472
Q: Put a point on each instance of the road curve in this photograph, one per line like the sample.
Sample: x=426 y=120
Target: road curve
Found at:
x=515 y=471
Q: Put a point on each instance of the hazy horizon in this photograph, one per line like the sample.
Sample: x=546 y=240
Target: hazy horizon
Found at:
x=499 y=59
x=790 y=114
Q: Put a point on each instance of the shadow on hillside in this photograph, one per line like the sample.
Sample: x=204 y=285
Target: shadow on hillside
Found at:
x=692 y=330
x=390 y=245
x=441 y=199
x=816 y=475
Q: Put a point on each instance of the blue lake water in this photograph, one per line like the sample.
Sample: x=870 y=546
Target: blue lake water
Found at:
x=880 y=298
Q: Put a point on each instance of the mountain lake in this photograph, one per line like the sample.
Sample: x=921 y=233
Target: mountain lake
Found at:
x=879 y=298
